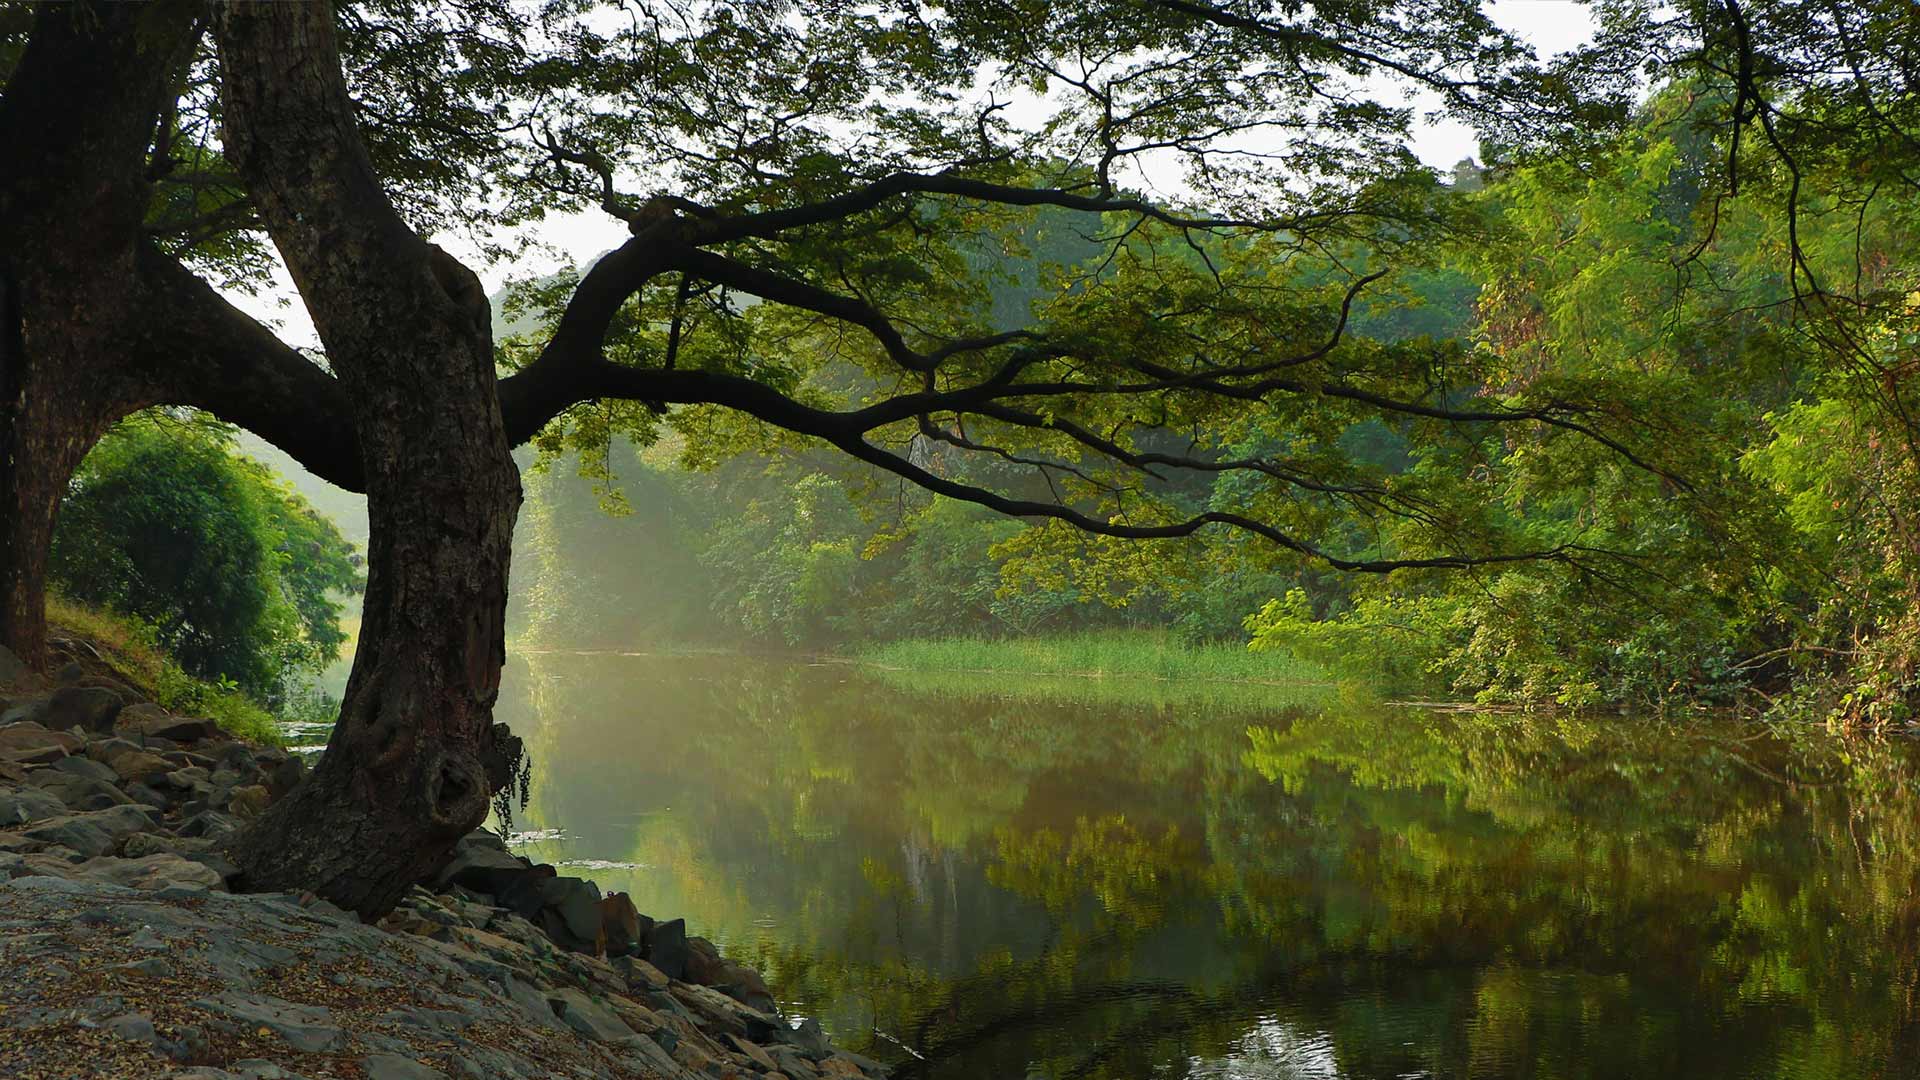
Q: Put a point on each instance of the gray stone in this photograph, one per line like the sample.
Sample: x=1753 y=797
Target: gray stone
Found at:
x=90 y=708
x=92 y=834
x=307 y=1028
x=78 y=792
x=33 y=743
x=586 y=1016
x=808 y=1036
x=577 y=902
x=21 y=806
x=532 y=1001
x=157 y=871
x=651 y=1057
x=209 y=823
x=481 y=862
x=395 y=1067
x=667 y=948
x=791 y=1061
x=88 y=768
x=134 y=1027
x=30 y=711
x=11 y=667
x=70 y=674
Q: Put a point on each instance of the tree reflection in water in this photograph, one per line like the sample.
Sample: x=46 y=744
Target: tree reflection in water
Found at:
x=1000 y=884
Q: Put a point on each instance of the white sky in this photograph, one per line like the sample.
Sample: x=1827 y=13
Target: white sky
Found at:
x=1550 y=26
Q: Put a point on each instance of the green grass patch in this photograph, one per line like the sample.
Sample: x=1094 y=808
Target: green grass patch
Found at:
x=128 y=645
x=1137 y=667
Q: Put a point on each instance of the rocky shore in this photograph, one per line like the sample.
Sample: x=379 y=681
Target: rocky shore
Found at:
x=124 y=954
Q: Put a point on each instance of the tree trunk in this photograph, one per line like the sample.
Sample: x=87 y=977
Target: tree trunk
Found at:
x=415 y=756
x=79 y=111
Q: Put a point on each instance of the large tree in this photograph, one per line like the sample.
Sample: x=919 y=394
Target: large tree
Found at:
x=1240 y=183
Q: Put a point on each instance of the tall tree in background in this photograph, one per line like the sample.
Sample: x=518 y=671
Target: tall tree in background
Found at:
x=839 y=166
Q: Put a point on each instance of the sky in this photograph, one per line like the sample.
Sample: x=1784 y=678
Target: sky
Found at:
x=1550 y=26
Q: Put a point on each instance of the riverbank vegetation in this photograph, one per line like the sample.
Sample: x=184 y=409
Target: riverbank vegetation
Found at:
x=132 y=648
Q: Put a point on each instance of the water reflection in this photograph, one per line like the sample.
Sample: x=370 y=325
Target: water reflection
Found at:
x=982 y=885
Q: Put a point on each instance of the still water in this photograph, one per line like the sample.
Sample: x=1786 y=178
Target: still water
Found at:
x=971 y=878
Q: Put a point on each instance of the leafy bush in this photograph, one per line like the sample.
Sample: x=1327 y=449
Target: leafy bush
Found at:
x=235 y=573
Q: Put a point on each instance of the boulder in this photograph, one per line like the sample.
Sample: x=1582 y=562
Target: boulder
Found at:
x=92 y=770
x=159 y=870
x=96 y=833
x=620 y=930
x=481 y=862
x=78 y=792
x=89 y=708
x=22 y=806
x=667 y=948
x=32 y=709
x=586 y=1016
x=138 y=765
x=284 y=777
x=395 y=1067
x=153 y=722
x=70 y=673
x=127 y=694
x=11 y=667
x=309 y=1029
x=28 y=742
x=575 y=902
x=249 y=802
x=704 y=965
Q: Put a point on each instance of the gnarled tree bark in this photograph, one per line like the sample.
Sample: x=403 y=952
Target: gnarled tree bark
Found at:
x=80 y=110
x=415 y=756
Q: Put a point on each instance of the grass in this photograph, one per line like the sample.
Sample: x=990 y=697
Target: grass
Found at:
x=1126 y=654
x=1125 y=667
x=129 y=647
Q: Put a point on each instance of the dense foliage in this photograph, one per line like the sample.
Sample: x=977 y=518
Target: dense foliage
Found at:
x=1742 y=527
x=239 y=577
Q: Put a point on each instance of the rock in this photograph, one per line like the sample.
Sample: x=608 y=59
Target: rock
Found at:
x=127 y=694
x=149 y=796
x=176 y=729
x=307 y=1028
x=157 y=871
x=667 y=948
x=70 y=674
x=808 y=1036
x=209 y=823
x=746 y=986
x=95 y=833
x=134 y=1027
x=22 y=806
x=284 y=777
x=525 y=895
x=639 y=973
x=78 y=792
x=757 y=1055
x=792 y=1062
x=138 y=765
x=584 y=1015
x=619 y=924
x=481 y=862
x=11 y=667
x=395 y=1067
x=576 y=902
x=29 y=710
x=249 y=802
x=27 y=742
x=89 y=708
x=704 y=965
x=87 y=767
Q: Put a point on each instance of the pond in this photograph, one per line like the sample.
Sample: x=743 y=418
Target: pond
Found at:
x=987 y=877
